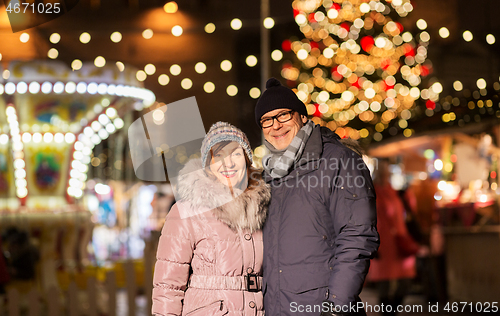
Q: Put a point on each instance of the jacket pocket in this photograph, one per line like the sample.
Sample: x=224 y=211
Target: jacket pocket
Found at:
x=304 y=278
x=217 y=308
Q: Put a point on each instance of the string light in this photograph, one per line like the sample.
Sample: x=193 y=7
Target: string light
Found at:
x=210 y=28
x=236 y=24
x=24 y=38
x=85 y=37
x=116 y=37
x=54 y=38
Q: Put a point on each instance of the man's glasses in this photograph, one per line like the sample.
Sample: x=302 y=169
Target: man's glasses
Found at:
x=282 y=118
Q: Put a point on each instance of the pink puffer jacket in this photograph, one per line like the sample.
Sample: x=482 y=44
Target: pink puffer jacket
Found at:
x=203 y=259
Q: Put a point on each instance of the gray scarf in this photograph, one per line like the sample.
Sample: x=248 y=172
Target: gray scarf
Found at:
x=279 y=162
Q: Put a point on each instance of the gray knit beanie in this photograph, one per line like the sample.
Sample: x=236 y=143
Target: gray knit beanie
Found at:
x=220 y=132
x=275 y=97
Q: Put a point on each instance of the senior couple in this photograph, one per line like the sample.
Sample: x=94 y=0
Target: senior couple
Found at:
x=293 y=239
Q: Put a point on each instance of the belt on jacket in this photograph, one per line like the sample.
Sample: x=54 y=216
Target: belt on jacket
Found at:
x=249 y=282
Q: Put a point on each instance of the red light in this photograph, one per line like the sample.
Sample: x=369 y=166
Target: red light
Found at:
x=286 y=45
x=430 y=105
x=493 y=175
x=453 y=158
x=317 y=112
x=367 y=43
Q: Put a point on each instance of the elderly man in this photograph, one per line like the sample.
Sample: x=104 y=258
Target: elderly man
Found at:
x=321 y=228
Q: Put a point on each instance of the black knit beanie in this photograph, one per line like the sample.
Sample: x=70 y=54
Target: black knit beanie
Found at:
x=275 y=97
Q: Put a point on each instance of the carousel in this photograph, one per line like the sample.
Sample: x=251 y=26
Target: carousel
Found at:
x=51 y=118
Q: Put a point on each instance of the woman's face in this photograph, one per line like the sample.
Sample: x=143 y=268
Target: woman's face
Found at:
x=229 y=166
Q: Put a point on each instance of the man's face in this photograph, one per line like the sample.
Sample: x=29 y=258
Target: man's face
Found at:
x=280 y=135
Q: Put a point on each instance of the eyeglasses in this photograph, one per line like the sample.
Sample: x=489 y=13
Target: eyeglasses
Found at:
x=282 y=118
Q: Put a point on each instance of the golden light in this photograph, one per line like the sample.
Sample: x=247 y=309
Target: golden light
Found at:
x=120 y=65
x=141 y=75
x=150 y=69
x=186 y=83
x=277 y=55
x=232 y=90
x=254 y=93
x=437 y=87
x=25 y=37
x=302 y=54
x=147 y=33
x=209 y=87
x=52 y=53
x=364 y=8
x=163 y=79
x=76 y=64
x=99 y=61
x=85 y=37
x=481 y=83
x=268 y=23
x=55 y=38
x=444 y=32
x=177 y=30
x=467 y=36
x=175 y=70
x=438 y=164
x=116 y=37
x=251 y=61
x=210 y=28
x=226 y=65
x=421 y=24
x=236 y=24
x=490 y=39
x=200 y=67
x=171 y=7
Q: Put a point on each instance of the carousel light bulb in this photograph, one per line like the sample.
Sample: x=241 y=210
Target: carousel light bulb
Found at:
x=95 y=139
x=92 y=88
x=69 y=138
x=48 y=137
x=19 y=163
x=20 y=173
x=77 y=155
x=70 y=87
x=79 y=145
x=10 y=88
x=1 y=89
x=34 y=87
x=110 y=128
x=120 y=66
x=81 y=87
x=22 y=192
x=10 y=111
x=26 y=137
x=111 y=89
x=86 y=151
x=21 y=183
x=74 y=173
x=37 y=137
x=4 y=139
x=103 y=134
x=111 y=113
x=22 y=87
x=83 y=168
x=103 y=119
x=59 y=137
x=118 y=122
x=467 y=35
x=58 y=87
x=75 y=183
x=75 y=164
x=53 y=53
x=102 y=88
x=96 y=126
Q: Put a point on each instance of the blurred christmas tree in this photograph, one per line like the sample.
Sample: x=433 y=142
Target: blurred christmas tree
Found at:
x=357 y=70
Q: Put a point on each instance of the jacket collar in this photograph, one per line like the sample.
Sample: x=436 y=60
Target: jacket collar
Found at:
x=247 y=211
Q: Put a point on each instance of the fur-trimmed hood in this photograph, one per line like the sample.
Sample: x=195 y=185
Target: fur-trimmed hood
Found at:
x=247 y=211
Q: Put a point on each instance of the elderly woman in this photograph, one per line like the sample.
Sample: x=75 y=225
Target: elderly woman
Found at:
x=210 y=251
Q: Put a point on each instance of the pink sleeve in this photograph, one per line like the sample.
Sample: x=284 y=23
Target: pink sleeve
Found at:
x=175 y=250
